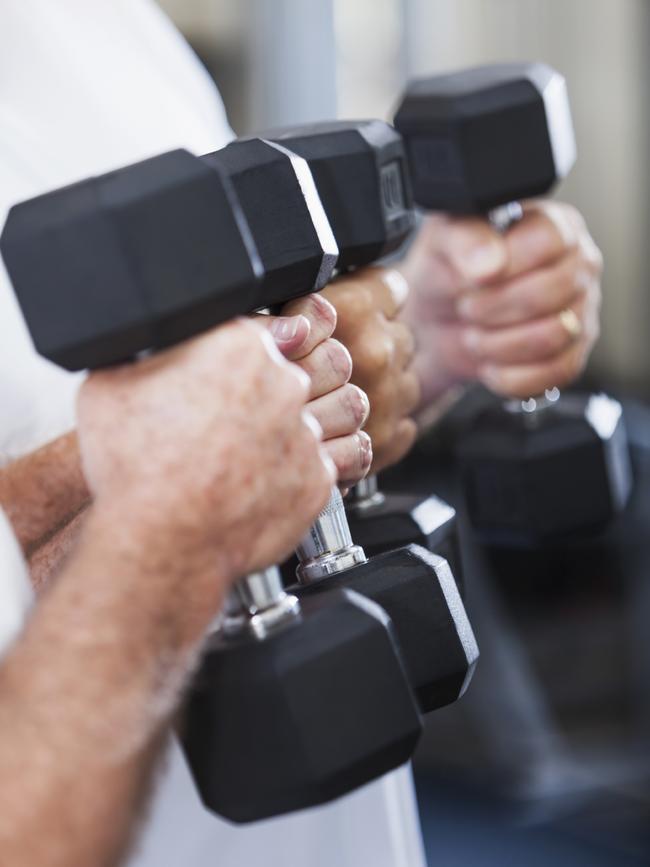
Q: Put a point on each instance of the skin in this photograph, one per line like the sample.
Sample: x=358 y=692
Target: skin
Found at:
x=165 y=537
x=486 y=307
x=163 y=541
x=382 y=350
x=481 y=307
x=45 y=493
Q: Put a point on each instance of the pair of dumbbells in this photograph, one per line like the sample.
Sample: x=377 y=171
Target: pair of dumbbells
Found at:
x=133 y=254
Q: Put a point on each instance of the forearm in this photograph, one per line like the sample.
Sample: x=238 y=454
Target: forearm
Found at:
x=87 y=692
x=42 y=491
x=48 y=559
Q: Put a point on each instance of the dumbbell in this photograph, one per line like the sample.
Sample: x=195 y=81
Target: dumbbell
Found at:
x=360 y=171
x=369 y=205
x=312 y=697
x=478 y=141
x=296 y=702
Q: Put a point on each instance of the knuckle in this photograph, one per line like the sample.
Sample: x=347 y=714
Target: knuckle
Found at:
x=357 y=404
x=349 y=462
x=594 y=255
x=323 y=313
x=344 y=297
x=374 y=354
x=340 y=360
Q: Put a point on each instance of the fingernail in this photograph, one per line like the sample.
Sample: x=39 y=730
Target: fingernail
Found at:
x=365 y=449
x=480 y=262
x=285 y=327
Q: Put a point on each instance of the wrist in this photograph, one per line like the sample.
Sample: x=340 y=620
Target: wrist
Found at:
x=160 y=563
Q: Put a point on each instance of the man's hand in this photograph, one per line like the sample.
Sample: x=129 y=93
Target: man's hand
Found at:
x=367 y=304
x=519 y=311
x=303 y=333
x=211 y=441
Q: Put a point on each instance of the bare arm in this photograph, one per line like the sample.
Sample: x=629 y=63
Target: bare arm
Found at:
x=86 y=694
x=50 y=557
x=88 y=690
x=43 y=491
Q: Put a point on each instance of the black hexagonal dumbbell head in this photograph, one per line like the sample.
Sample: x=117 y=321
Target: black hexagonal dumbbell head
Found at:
x=419 y=594
x=515 y=470
x=483 y=137
x=382 y=521
x=136 y=259
x=312 y=711
x=285 y=214
x=362 y=179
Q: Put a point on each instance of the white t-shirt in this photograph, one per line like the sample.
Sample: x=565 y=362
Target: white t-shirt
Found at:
x=86 y=86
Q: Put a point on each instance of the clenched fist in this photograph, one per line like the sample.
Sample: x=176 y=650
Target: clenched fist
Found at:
x=367 y=305
x=303 y=333
x=518 y=311
x=210 y=441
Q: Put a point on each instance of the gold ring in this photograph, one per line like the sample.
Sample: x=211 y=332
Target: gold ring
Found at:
x=571 y=323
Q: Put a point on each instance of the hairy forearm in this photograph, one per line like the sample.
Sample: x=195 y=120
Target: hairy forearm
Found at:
x=51 y=556
x=88 y=689
x=42 y=491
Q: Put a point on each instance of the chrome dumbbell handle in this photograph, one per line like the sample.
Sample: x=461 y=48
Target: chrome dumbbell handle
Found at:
x=328 y=547
x=258 y=604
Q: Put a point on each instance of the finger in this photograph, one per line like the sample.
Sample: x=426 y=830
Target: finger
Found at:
x=329 y=367
x=475 y=253
x=547 y=231
x=391 y=290
x=404 y=341
x=352 y=456
x=449 y=345
x=531 y=296
x=370 y=289
x=529 y=380
x=525 y=343
x=321 y=316
x=341 y=412
x=289 y=332
x=407 y=396
x=401 y=443
x=309 y=420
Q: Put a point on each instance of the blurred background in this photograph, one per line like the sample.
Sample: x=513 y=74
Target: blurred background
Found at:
x=546 y=759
